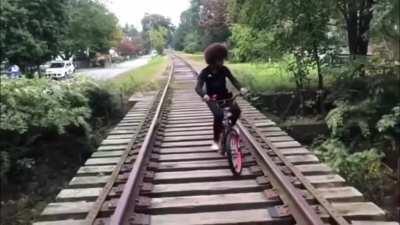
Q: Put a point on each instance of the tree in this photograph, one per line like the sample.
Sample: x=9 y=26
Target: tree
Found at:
x=213 y=21
x=357 y=15
x=155 y=22
x=299 y=28
x=130 y=31
x=158 y=39
x=205 y=20
x=189 y=26
x=92 y=27
x=386 y=28
x=32 y=30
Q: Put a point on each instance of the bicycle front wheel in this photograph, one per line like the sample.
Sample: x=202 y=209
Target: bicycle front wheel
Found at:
x=234 y=153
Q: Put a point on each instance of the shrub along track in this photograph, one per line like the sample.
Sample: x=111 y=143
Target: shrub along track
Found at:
x=156 y=167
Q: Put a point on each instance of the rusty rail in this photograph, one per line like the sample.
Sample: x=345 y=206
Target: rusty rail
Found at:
x=131 y=190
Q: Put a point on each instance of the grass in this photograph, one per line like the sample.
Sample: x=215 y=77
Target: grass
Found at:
x=263 y=77
x=258 y=77
x=144 y=78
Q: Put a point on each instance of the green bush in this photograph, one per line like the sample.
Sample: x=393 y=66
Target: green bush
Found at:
x=38 y=109
x=362 y=169
x=192 y=43
x=29 y=105
x=364 y=132
x=250 y=45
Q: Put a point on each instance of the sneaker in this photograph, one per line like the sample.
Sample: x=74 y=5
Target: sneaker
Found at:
x=215 y=146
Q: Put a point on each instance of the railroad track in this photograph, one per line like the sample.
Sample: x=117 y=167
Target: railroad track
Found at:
x=156 y=167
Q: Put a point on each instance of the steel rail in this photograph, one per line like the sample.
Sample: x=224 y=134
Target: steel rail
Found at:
x=306 y=214
x=292 y=196
x=132 y=186
x=302 y=212
x=94 y=212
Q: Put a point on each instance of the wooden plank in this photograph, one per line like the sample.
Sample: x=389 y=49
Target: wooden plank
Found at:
x=269 y=129
x=358 y=222
x=194 y=121
x=67 y=208
x=193 y=165
x=198 y=203
x=102 y=161
x=208 y=128
x=194 y=175
x=190 y=117
x=63 y=222
x=330 y=180
x=302 y=159
x=341 y=194
x=112 y=147
x=101 y=154
x=205 y=187
x=128 y=124
x=185 y=144
x=192 y=149
x=95 y=169
x=79 y=193
x=187 y=133
x=188 y=138
x=120 y=136
x=280 y=139
x=287 y=144
x=189 y=125
x=131 y=132
x=314 y=168
x=89 y=180
x=172 y=115
x=190 y=156
x=256 y=216
x=294 y=151
x=359 y=210
x=267 y=123
x=115 y=141
x=274 y=133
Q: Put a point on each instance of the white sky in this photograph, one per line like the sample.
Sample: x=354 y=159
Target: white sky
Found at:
x=132 y=11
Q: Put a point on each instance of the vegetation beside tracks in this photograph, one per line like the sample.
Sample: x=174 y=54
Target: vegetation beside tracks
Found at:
x=49 y=128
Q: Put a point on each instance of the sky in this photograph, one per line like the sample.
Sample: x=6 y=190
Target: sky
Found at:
x=132 y=11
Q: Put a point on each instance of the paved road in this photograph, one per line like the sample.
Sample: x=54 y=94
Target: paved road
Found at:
x=115 y=69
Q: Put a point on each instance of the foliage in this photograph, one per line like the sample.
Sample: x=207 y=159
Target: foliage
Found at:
x=364 y=127
x=32 y=30
x=192 y=42
x=158 y=39
x=129 y=47
x=33 y=109
x=299 y=28
x=386 y=29
x=130 y=31
x=159 y=23
x=92 y=27
x=362 y=169
x=250 y=45
x=31 y=104
x=203 y=23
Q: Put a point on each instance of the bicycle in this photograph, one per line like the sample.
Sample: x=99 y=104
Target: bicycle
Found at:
x=230 y=140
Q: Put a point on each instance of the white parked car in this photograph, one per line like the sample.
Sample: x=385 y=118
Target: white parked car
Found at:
x=60 y=69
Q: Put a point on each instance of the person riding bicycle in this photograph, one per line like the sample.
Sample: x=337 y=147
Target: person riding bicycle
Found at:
x=213 y=77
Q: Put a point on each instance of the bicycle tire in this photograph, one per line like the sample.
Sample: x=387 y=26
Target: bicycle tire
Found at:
x=235 y=164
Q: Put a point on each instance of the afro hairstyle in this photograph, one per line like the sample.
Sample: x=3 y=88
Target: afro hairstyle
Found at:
x=214 y=53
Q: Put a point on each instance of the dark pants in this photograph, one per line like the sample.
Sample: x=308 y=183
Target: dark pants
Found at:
x=218 y=114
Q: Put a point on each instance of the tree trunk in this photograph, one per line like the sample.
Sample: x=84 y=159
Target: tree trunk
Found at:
x=358 y=18
x=318 y=62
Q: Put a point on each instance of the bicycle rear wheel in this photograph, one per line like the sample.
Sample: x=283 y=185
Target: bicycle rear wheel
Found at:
x=233 y=151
